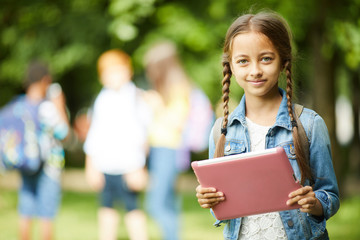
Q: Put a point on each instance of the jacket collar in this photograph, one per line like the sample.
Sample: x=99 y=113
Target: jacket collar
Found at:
x=282 y=117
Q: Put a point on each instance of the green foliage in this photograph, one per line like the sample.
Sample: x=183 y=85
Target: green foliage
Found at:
x=71 y=34
x=349 y=41
x=126 y=14
x=66 y=34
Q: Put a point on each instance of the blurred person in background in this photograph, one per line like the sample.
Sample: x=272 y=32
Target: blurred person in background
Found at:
x=180 y=111
x=82 y=123
x=41 y=123
x=116 y=147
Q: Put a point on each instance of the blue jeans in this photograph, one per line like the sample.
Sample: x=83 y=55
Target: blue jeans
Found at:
x=161 y=201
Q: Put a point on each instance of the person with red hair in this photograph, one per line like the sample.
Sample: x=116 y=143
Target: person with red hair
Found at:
x=115 y=146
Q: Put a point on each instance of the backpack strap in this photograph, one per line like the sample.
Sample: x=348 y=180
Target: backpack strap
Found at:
x=217 y=129
x=298 y=109
x=302 y=134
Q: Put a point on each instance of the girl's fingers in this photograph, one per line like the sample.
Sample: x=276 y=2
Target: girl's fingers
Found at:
x=301 y=196
x=290 y=202
x=307 y=206
x=208 y=203
x=293 y=200
x=305 y=210
x=208 y=197
x=200 y=189
x=300 y=191
x=309 y=200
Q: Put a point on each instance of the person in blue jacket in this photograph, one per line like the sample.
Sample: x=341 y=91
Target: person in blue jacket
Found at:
x=257 y=50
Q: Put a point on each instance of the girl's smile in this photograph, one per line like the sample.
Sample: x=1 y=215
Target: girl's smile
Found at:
x=256 y=82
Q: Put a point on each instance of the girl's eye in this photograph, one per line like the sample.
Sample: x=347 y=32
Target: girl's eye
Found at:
x=242 y=61
x=266 y=59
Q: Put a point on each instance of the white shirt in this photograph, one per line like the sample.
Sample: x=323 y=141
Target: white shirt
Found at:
x=267 y=225
x=117 y=137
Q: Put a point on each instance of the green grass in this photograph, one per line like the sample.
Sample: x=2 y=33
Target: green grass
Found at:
x=346 y=223
x=77 y=219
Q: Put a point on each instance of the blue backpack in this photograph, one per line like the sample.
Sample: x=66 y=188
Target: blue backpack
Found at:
x=19 y=148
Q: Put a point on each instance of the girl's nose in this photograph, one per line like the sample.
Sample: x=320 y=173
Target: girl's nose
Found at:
x=256 y=71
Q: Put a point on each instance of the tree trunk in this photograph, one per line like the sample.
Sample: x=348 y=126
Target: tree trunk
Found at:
x=324 y=95
x=355 y=144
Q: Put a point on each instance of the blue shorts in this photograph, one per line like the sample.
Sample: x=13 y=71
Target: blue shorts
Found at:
x=39 y=196
x=116 y=191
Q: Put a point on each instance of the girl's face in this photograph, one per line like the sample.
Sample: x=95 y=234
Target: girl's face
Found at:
x=114 y=77
x=256 y=64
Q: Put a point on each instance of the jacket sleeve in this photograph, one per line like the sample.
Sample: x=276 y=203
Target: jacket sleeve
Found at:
x=325 y=184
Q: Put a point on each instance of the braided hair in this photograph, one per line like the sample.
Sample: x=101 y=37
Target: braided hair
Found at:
x=276 y=29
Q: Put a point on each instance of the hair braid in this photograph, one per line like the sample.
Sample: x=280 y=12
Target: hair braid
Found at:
x=226 y=90
x=304 y=166
x=289 y=90
x=219 y=150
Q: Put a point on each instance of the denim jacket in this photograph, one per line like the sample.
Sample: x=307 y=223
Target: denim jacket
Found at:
x=297 y=225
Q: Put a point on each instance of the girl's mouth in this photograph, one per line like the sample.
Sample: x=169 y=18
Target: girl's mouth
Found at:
x=256 y=82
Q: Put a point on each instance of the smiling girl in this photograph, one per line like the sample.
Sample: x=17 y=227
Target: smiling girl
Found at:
x=257 y=49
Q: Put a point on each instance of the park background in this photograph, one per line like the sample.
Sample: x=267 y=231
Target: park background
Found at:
x=71 y=34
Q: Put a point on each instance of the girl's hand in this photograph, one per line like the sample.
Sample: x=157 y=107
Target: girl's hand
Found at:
x=305 y=197
x=208 y=197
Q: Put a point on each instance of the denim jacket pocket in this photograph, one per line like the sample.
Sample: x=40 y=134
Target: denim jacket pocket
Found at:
x=289 y=150
x=234 y=147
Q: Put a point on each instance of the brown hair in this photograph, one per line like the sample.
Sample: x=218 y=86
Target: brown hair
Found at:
x=113 y=57
x=165 y=71
x=276 y=29
x=35 y=72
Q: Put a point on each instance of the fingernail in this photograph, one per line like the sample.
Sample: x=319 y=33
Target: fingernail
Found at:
x=220 y=194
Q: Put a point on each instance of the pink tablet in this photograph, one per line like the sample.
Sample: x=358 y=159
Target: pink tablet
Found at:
x=253 y=183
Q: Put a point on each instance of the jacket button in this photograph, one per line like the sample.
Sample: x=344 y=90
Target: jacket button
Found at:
x=290 y=223
x=292 y=149
x=227 y=148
